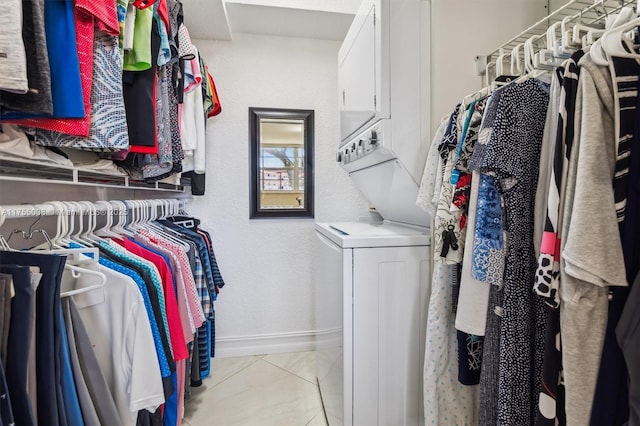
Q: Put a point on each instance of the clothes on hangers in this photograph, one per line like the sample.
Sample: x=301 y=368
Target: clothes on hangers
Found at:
x=552 y=179
x=122 y=341
x=546 y=285
x=14 y=63
x=125 y=352
x=108 y=128
x=156 y=88
x=86 y=14
x=39 y=99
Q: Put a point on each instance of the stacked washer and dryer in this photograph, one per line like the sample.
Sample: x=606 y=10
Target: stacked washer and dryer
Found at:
x=373 y=279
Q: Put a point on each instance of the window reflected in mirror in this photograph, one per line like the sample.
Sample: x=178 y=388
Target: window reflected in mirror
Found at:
x=281 y=144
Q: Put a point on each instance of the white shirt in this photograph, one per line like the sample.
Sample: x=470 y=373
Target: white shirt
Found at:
x=122 y=340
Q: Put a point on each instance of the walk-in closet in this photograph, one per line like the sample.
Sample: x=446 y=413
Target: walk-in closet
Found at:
x=319 y=212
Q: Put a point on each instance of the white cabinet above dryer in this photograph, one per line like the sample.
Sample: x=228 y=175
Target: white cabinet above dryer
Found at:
x=360 y=71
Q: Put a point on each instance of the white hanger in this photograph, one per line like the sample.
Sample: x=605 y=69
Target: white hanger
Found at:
x=138 y=214
x=132 y=207
x=487 y=73
x=554 y=44
x=516 y=64
x=167 y=233
x=482 y=93
x=75 y=256
x=78 y=210
x=90 y=235
x=528 y=56
x=67 y=214
x=615 y=42
x=76 y=272
x=106 y=231
x=123 y=212
x=567 y=45
x=500 y=63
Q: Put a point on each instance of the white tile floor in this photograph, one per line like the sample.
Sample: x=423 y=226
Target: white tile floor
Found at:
x=265 y=390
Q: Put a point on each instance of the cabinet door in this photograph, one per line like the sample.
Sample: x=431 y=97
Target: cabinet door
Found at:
x=387 y=315
x=357 y=73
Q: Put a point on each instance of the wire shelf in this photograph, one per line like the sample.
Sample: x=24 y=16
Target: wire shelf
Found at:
x=586 y=11
x=15 y=169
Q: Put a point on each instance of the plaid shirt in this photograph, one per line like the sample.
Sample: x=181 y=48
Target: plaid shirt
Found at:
x=201 y=285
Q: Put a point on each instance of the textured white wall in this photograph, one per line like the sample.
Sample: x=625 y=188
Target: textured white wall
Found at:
x=462 y=29
x=267 y=263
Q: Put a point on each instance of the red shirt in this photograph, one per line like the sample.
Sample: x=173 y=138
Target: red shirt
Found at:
x=173 y=317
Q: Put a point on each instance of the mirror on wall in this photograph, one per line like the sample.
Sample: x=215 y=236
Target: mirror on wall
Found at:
x=281 y=162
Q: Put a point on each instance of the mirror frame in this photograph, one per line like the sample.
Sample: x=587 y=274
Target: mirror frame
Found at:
x=307 y=116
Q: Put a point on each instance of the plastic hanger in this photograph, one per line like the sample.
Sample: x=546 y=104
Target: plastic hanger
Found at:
x=554 y=44
x=131 y=207
x=500 y=63
x=161 y=231
x=487 y=73
x=106 y=230
x=567 y=45
x=529 y=68
x=138 y=214
x=76 y=209
x=580 y=30
x=123 y=212
x=67 y=212
x=475 y=96
x=89 y=236
x=615 y=42
x=516 y=64
x=75 y=256
x=76 y=272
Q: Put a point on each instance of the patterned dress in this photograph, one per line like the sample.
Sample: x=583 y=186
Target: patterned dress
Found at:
x=512 y=155
x=446 y=400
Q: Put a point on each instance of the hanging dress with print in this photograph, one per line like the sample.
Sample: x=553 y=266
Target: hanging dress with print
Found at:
x=513 y=155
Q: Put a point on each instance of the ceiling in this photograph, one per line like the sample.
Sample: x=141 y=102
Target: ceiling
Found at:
x=220 y=19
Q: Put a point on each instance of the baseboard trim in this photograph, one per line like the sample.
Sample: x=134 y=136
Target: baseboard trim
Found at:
x=262 y=344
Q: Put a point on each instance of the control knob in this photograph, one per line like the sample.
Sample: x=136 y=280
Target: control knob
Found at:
x=373 y=140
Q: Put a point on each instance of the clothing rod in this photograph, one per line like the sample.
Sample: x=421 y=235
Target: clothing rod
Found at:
x=585 y=11
x=45 y=209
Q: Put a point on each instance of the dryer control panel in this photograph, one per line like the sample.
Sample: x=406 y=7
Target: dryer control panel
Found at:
x=363 y=145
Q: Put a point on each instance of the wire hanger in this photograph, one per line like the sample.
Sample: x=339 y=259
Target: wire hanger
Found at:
x=28 y=234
